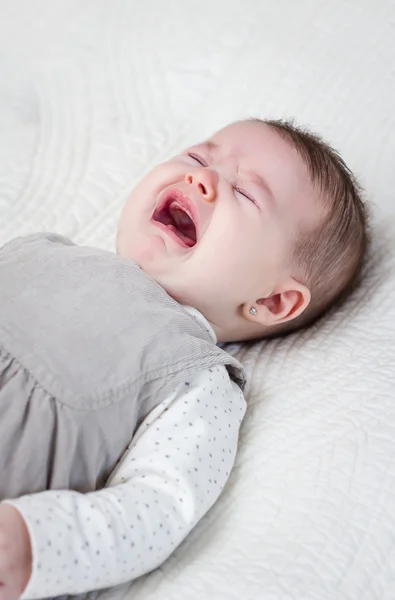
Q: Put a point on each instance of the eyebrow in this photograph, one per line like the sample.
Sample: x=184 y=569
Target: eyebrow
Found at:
x=212 y=145
x=255 y=178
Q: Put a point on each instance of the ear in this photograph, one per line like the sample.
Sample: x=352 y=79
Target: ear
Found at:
x=285 y=303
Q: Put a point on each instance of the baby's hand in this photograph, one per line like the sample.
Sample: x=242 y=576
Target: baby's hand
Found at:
x=15 y=553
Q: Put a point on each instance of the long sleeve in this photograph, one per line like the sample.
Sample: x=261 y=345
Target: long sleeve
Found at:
x=171 y=474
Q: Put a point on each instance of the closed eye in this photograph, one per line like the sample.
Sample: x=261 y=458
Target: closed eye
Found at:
x=245 y=194
x=198 y=159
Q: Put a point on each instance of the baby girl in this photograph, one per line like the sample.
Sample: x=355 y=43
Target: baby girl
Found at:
x=119 y=413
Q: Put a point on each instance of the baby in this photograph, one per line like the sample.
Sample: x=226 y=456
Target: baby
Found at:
x=110 y=372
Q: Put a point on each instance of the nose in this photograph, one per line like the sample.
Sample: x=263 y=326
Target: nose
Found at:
x=205 y=181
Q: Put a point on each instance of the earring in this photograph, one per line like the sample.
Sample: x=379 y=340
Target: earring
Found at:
x=253 y=311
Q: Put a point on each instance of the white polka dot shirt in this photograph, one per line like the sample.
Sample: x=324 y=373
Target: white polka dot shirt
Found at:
x=172 y=473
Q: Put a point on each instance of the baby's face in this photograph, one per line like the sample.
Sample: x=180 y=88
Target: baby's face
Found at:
x=217 y=224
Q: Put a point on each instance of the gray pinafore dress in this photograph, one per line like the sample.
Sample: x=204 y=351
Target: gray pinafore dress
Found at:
x=89 y=345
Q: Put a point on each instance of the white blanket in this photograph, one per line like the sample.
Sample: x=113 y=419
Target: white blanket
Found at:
x=95 y=92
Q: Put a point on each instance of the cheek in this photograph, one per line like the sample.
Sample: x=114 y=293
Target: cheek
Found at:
x=147 y=253
x=143 y=251
x=161 y=176
x=145 y=190
x=144 y=195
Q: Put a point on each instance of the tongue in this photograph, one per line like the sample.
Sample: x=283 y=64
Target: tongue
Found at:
x=183 y=225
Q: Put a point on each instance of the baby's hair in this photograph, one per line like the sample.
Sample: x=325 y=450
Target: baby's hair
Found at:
x=331 y=255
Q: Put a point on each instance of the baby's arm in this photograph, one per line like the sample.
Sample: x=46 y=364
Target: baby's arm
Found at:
x=173 y=472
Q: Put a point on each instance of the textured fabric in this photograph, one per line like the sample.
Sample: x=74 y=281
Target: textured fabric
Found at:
x=175 y=469
x=89 y=346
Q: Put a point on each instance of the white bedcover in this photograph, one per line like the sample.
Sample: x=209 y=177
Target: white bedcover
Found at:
x=93 y=93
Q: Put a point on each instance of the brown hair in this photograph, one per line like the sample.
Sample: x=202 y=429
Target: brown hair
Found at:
x=331 y=255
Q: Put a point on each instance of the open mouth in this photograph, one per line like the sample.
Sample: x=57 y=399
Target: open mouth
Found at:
x=174 y=215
